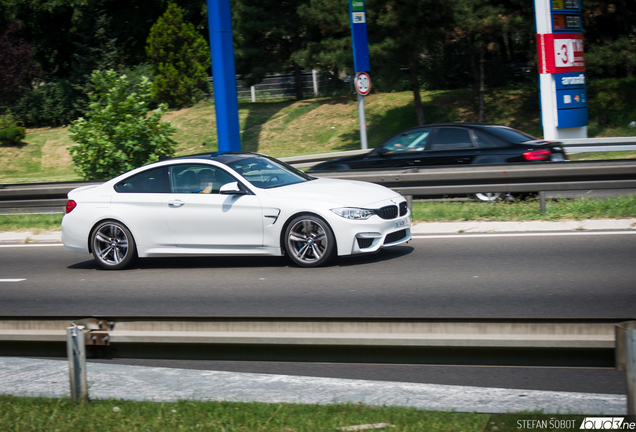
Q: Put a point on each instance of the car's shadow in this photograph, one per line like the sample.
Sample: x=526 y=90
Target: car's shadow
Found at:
x=248 y=261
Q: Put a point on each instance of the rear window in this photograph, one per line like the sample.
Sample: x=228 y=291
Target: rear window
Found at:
x=511 y=135
x=150 y=181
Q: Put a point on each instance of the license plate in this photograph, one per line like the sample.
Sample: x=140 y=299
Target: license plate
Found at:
x=401 y=223
x=556 y=157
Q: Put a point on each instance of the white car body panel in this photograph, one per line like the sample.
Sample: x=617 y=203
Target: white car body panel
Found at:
x=170 y=224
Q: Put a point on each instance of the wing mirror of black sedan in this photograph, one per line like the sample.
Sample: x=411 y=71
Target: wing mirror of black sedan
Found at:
x=231 y=189
x=382 y=151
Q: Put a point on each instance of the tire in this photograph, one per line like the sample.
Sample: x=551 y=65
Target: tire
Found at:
x=309 y=241
x=113 y=245
x=492 y=197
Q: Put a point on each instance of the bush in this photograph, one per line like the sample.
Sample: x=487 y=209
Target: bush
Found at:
x=52 y=104
x=10 y=131
x=119 y=132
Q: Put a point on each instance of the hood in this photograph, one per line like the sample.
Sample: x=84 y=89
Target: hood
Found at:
x=350 y=193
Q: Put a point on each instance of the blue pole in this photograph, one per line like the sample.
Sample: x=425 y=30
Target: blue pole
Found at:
x=224 y=75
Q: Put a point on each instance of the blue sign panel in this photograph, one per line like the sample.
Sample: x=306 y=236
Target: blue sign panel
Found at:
x=358 y=14
x=567 y=81
x=568 y=99
x=571 y=98
x=572 y=118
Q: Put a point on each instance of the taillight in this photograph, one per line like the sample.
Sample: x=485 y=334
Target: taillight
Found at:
x=535 y=155
x=70 y=205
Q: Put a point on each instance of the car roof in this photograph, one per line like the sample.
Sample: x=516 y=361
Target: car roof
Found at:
x=469 y=125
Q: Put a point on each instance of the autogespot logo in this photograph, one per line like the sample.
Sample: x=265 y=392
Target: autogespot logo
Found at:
x=615 y=423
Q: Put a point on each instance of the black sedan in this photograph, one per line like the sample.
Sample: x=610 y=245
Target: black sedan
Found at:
x=452 y=144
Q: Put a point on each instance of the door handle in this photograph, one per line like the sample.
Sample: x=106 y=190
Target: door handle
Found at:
x=175 y=203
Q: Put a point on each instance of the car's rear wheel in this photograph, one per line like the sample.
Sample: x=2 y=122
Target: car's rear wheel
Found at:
x=113 y=245
x=309 y=241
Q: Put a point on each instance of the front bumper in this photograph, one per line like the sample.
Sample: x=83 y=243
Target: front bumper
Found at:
x=356 y=237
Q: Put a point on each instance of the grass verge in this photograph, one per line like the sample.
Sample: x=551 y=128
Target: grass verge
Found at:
x=557 y=209
x=30 y=222
x=47 y=414
x=437 y=211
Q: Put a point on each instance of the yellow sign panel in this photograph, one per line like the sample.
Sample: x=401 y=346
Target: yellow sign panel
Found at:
x=557 y=4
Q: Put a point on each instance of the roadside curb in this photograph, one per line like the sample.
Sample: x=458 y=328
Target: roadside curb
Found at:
x=30 y=237
x=471 y=227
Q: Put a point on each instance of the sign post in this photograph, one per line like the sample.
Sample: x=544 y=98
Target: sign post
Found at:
x=224 y=75
x=358 y=14
x=363 y=87
x=561 y=69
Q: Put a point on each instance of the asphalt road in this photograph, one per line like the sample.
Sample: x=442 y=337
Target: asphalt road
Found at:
x=488 y=276
x=537 y=276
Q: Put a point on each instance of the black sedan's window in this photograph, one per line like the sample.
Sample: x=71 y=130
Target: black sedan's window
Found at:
x=151 y=181
x=407 y=142
x=483 y=142
x=510 y=135
x=451 y=139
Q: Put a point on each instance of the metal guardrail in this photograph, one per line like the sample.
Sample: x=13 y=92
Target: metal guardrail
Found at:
x=475 y=341
x=533 y=177
x=467 y=341
x=438 y=180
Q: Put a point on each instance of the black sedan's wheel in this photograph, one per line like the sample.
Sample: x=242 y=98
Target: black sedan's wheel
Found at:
x=113 y=245
x=488 y=196
x=309 y=241
x=493 y=196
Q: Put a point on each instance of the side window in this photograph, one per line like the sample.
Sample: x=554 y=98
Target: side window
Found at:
x=483 y=142
x=151 y=181
x=198 y=179
x=452 y=139
x=407 y=142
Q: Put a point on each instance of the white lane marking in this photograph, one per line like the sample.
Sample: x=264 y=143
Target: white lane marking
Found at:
x=525 y=234
x=12 y=280
x=31 y=245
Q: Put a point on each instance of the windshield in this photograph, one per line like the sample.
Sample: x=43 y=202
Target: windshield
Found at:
x=265 y=172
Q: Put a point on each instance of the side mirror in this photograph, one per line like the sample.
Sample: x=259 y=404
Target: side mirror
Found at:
x=231 y=189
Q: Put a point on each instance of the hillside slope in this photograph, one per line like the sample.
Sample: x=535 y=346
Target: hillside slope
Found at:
x=324 y=125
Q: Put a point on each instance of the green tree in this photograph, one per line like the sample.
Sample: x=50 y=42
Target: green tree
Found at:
x=400 y=33
x=119 y=132
x=482 y=24
x=180 y=60
x=610 y=38
x=404 y=31
x=269 y=33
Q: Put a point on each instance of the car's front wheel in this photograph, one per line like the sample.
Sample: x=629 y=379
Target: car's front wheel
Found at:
x=309 y=241
x=113 y=245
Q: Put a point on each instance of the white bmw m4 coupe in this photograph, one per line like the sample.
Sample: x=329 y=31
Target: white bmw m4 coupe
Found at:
x=231 y=204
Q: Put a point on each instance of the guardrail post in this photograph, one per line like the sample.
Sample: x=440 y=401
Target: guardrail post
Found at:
x=625 y=355
x=630 y=369
x=409 y=202
x=542 y=201
x=76 y=352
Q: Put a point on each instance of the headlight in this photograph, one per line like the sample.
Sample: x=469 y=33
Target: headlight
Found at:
x=354 y=213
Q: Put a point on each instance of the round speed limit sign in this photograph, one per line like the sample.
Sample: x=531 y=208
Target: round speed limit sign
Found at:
x=363 y=83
